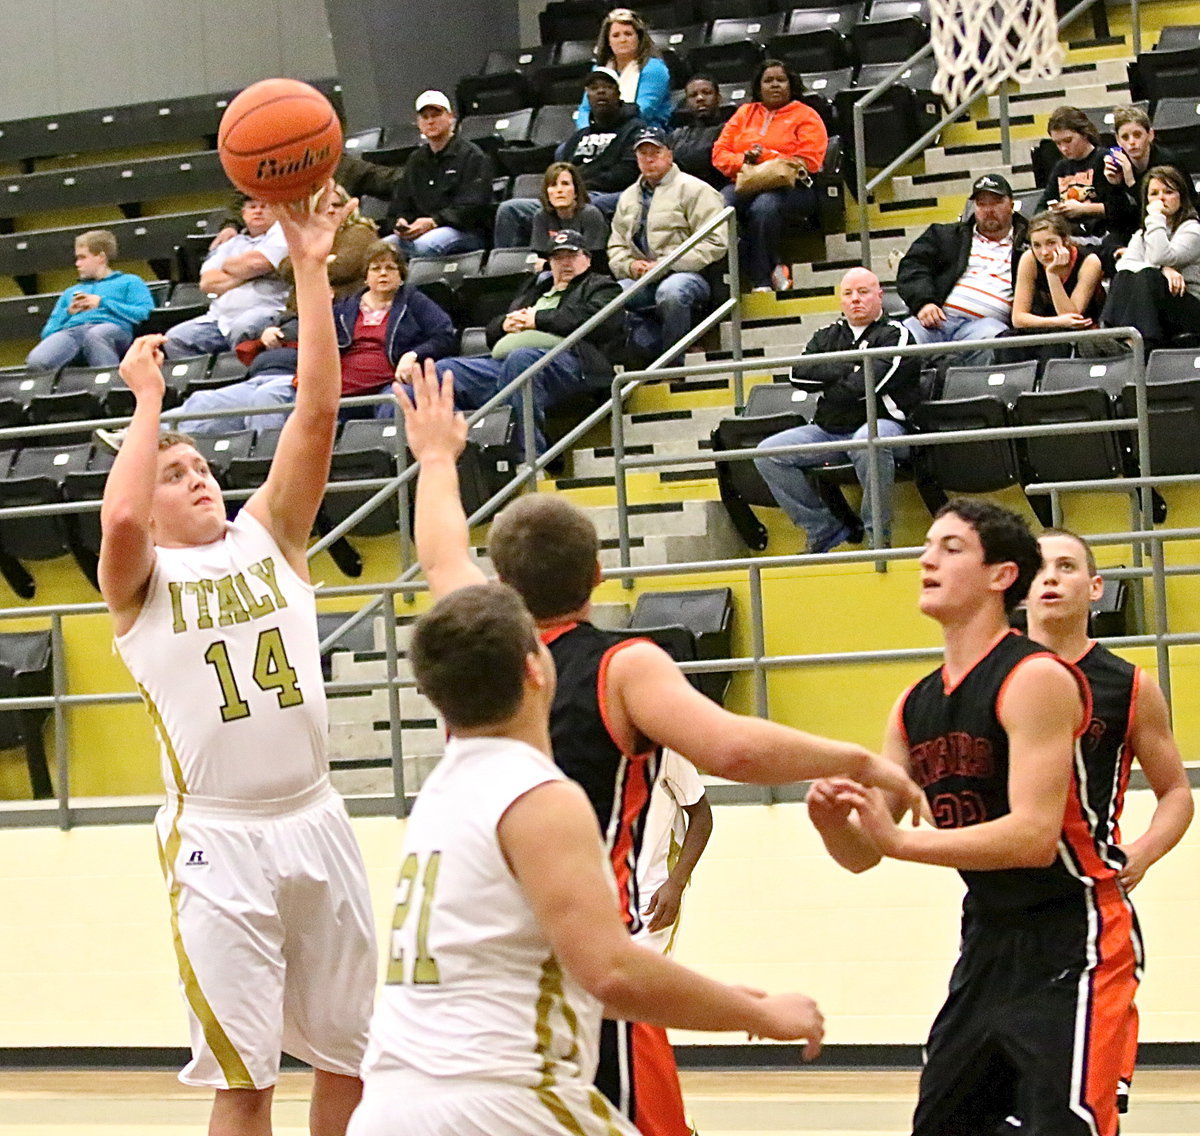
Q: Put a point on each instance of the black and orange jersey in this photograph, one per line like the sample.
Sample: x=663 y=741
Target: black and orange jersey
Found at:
x=1107 y=744
x=618 y=784
x=958 y=754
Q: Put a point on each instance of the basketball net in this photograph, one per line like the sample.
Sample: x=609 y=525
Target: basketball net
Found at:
x=980 y=43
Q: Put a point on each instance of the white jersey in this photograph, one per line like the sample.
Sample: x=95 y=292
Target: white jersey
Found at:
x=473 y=990
x=226 y=653
x=678 y=784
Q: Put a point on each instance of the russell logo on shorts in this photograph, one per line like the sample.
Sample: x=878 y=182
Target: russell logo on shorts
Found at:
x=196 y=859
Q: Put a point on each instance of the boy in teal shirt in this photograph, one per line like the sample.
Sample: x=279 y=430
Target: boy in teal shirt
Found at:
x=93 y=320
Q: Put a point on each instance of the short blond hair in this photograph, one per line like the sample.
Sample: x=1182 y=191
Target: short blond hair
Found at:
x=98 y=240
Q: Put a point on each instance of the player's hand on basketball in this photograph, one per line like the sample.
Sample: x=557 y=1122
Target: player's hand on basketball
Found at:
x=431 y=424
x=931 y=316
x=311 y=224
x=664 y=905
x=142 y=367
x=791 y=1017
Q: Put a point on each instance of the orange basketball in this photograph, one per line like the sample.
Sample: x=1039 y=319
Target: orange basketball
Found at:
x=279 y=140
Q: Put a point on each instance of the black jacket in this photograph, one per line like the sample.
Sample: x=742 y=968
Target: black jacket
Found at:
x=604 y=154
x=692 y=142
x=938 y=257
x=843 y=405
x=453 y=186
x=583 y=298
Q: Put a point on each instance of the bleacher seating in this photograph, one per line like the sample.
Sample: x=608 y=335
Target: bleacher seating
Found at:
x=142 y=238
x=113 y=183
x=111 y=128
x=1165 y=74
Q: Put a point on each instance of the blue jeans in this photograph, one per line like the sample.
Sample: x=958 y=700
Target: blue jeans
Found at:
x=442 y=241
x=956 y=329
x=760 y=225
x=260 y=391
x=674 y=301
x=478 y=378
x=202 y=336
x=798 y=497
x=100 y=345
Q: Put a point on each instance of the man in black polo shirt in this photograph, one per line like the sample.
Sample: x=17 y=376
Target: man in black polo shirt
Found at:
x=441 y=203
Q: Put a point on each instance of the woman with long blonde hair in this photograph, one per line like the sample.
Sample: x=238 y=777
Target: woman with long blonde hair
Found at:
x=624 y=44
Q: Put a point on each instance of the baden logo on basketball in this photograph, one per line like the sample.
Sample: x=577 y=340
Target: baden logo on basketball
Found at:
x=272 y=168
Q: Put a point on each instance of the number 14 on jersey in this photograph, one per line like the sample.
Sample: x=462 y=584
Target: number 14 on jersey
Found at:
x=424 y=967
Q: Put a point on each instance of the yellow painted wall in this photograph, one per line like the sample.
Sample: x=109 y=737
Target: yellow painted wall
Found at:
x=86 y=957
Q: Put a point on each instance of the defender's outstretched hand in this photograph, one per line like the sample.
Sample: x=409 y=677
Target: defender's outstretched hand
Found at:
x=142 y=366
x=431 y=424
x=310 y=225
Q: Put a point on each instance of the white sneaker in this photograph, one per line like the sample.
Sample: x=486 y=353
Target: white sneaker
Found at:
x=110 y=439
x=762 y=288
x=781 y=278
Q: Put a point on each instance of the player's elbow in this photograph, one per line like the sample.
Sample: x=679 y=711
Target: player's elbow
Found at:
x=1039 y=849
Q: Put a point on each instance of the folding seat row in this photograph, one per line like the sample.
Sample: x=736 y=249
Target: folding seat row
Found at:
x=143 y=238
x=112 y=128
x=113 y=183
x=976 y=398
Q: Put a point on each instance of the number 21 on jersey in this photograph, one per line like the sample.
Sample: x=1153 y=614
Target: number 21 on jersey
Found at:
x=421 y=969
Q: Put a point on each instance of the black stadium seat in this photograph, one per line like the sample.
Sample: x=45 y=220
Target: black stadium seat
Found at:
x=708 y=614
x=1168 y=365
x=502 y=60
x=26 y=672
x=1156 y=75
x=570 y=19
x=890 y=40
x=17 y=390
x=1177 y=127
x=770 y=408
x=36 y=478
x=562 y=82
x=493 y=94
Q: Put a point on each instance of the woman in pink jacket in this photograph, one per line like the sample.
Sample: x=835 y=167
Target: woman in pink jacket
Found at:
x=775 y=125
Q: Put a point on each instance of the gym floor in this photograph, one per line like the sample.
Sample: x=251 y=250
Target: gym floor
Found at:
x=805 y=1103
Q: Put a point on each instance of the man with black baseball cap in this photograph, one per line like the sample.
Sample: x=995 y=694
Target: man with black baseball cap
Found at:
x=544 y=312
x=658 y=213
x=958 y=278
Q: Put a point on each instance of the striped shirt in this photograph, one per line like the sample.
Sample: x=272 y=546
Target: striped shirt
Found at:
x=985 y=288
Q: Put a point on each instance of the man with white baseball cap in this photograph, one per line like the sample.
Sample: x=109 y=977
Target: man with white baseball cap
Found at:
x=442 y=202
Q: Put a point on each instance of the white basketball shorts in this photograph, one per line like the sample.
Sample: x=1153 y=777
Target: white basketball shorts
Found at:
x=273 y=934
x=410 y=1103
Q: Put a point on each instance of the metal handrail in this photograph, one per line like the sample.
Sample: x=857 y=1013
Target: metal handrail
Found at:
x=863 y=185
x=872 y=442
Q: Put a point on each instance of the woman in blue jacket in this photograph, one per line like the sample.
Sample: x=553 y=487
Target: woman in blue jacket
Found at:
x=379 y=327
x=624 y=44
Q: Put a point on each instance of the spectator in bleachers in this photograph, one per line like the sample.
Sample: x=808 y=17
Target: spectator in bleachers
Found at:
x=602 y=151
x=655 y=215
x=353 y=243
x=241 y=275
x=958 y=278
x=94 y=319
x=566 y=205
x=1125 y=167
x=695 y=127
x=380 y=330
x=545 y=310
x=777 y=132
x=1058 y=286
x=841 y=415
x=443 y=200
x=624 y=44
x=1157 y=284
x=1077 y=188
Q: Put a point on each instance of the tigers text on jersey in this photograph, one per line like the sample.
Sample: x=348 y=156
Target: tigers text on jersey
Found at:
x=225 y=651
x=958 y=754
x=473 y=990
